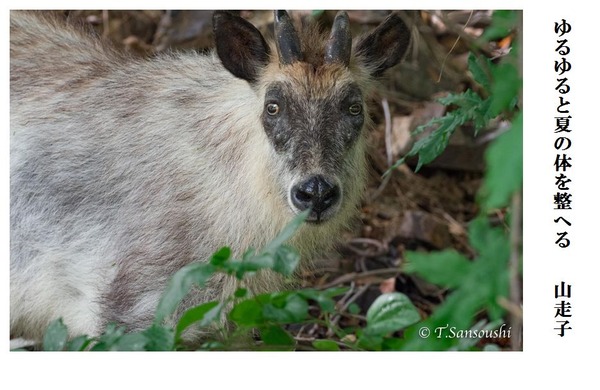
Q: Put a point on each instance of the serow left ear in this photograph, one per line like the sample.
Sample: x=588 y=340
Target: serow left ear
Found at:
x=385 y=46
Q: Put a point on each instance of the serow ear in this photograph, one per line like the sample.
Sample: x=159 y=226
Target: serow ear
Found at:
x=385 y=46
x=240 y=46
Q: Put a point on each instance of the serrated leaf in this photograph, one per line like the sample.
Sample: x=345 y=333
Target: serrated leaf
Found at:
x=325 y=345
x=445 y=268
x=504 y=160
x=430 y=147
x=480 y=73
x=179 y=286
x=466 y=100
x=484 y=238
x=275 y=335
x=389 y=313
x=203 y=315
x=491 y=268
x=56 y=336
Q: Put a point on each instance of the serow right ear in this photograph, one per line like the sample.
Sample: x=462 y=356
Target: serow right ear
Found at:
x=385 y=46
x=241 y=47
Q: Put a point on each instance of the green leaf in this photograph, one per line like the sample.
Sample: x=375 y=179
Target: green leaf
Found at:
x=203 y=315
x=179 y=285
x=503 y=22
x=79 y=343
x=284 y=307
x=287 y=232
x=353 y=308
x=445 y=268
x=389 y=313
x=255 y=263
x=56 y=336
x=109 y=338
x=212 y=346
x=131 y=342
x=275 y=335
x=240 y=293
x=221 y=256
x=480 y=73
x=370 y=342
x=248 y=313
x=159 y=338
x=466 y=101
x=323 y=298
x=392 y=344
x=485 y=239
x=504 y=174
x=505 y=88
x=430 y=147
x=491 y=268
x=325 y=345
x=286 y=260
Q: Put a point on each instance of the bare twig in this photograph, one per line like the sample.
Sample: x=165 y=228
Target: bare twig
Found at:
x=453 y=46
x=354 y=276
x=388 y=147
x=381 y=248
x=460 y=32
x=347 y=294
x=345 y=305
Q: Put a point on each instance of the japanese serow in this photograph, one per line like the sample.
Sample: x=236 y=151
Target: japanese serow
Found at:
x=123 y=170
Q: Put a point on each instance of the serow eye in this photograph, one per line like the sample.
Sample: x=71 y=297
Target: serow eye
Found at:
x=355 y=109
x=272 y=109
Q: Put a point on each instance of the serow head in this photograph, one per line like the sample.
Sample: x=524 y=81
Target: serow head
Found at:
x=314 y=113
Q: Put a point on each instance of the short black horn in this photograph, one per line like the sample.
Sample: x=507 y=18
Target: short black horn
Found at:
x=339 y=45
x=286 y=39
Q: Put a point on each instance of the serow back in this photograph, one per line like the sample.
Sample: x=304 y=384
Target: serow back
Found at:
x=123 y=170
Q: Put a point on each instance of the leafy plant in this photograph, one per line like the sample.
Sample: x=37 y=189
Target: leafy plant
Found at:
x=500 y=87
x=268 y=314
x=477 y=284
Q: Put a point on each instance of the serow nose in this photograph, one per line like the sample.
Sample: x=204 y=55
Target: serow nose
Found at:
x=316 y=193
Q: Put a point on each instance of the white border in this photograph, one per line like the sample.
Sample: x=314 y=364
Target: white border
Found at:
x=547 y=360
